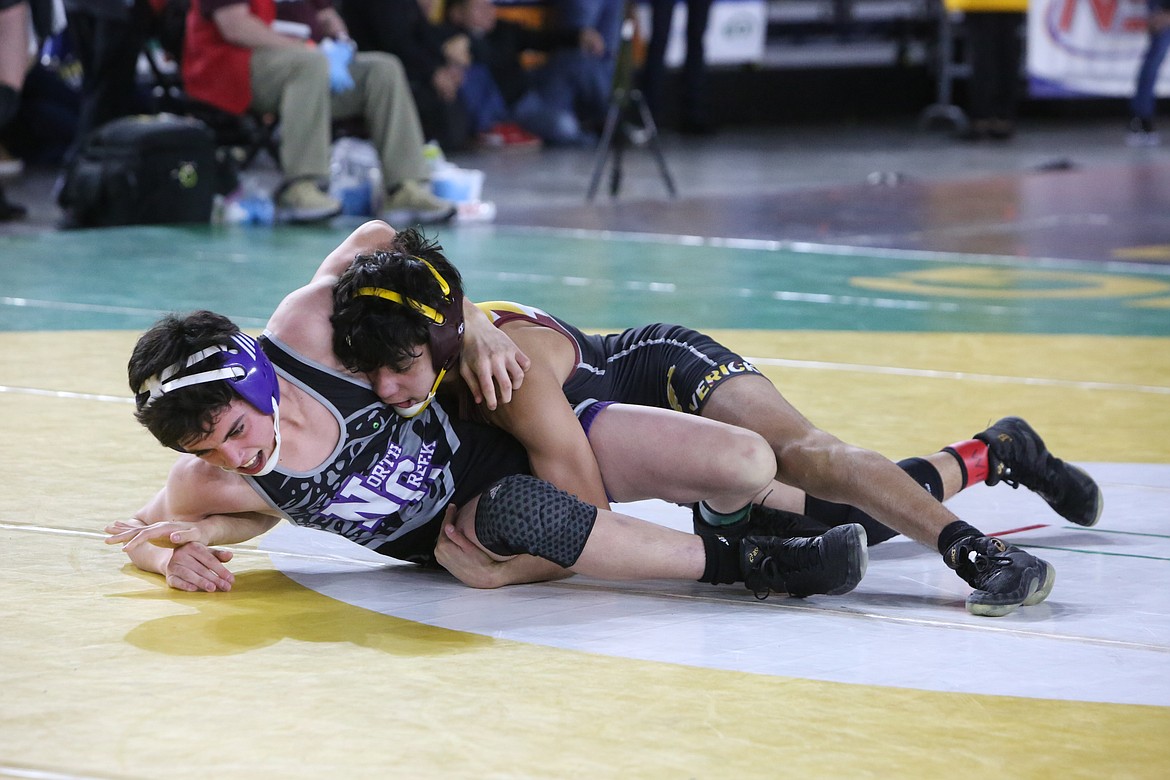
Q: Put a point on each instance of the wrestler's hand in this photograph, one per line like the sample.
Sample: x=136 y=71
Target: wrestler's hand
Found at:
x=491 y=360
x=171 y=533
x=463 y=558
x=472 y=566
x=189 y=566
x=195 y=566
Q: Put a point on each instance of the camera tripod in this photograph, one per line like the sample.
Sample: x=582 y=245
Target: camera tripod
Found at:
x=627 y=121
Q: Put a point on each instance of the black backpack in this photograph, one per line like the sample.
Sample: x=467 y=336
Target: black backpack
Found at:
x=143 y=170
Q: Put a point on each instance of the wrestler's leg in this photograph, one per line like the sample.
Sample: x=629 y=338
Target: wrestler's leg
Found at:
x=596 y=542
x=1009 y=451
x=522 y=514
x=824 y=466
x=939 y=474
x=644 y=452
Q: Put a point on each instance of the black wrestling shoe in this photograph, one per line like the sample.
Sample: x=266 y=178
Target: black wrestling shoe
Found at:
x=832 y=563
x=1004 y=577
x=766 y=521
x=763 y=521
x=1017 y=456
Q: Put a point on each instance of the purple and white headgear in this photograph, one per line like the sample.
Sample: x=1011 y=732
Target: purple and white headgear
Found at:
x=243 y=365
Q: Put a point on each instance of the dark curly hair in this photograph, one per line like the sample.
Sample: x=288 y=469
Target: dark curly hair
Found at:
x=371 y=332
x=192 y=412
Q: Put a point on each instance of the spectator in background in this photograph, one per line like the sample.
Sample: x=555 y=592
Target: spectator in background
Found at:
x=693 y=118
x=295 y=59
x=435 y=59
x=16 y=48
x=562 y=101
x=1141 y=127
x=45 y=127
x=996 y=46
x=107 y=37
x=604 y=16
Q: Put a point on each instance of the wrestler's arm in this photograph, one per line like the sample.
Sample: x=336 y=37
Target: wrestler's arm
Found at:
x=559 y=453
x=540 y=417
x=301 y=319
x=579 y=475
x=492 y=365
x=367 y=237
x=200 y=506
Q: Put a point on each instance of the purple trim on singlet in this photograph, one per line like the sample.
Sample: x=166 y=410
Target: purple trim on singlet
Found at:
x=587 y=412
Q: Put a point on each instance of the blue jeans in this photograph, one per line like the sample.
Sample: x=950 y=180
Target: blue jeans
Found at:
x=605 y=16
x=482 y=99
x=1143 y=96
x=572 y=87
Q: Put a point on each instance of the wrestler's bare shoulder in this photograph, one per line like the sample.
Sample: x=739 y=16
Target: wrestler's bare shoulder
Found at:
x=195 y=487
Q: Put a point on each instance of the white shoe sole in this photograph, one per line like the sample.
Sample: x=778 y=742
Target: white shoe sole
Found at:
x=306 y=215
x=408 y=217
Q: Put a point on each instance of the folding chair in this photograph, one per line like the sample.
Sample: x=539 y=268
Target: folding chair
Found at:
x=245 y=136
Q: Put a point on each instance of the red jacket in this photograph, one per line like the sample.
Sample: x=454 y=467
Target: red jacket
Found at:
x=215 y=71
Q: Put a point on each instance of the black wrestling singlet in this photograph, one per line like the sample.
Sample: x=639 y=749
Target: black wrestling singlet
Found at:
x=389 y=478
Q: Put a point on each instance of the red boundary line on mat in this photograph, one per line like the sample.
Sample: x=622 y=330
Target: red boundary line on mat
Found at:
x=1020 y=530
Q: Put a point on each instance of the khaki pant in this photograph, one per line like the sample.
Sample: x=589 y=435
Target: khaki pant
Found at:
x=293 y=83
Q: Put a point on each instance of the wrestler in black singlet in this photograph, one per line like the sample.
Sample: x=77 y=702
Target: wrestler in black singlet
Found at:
x=387 y=482
x=662 y=365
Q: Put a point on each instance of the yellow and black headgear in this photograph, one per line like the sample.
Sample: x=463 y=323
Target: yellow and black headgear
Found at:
x=444 y=327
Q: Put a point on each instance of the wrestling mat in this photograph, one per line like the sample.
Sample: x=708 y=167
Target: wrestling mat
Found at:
x=325 y=661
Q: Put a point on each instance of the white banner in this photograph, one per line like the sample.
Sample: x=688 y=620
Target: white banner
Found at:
x=1087 y=48
x=735 y=32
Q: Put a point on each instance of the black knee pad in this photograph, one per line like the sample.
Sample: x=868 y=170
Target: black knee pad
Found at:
x=925 y=474
x=522 y=514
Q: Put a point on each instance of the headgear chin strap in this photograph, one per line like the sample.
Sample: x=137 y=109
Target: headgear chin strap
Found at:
x=270 y=464
x=413 y=411
x=444 y=329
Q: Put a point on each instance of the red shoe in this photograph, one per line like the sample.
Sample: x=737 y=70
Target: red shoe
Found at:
x=509 y=135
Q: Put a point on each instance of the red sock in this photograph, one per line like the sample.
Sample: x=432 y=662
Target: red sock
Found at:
x=973 y=462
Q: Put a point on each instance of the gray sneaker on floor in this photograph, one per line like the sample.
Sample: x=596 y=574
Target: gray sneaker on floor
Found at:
x=303 y=201
x=414 y=204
